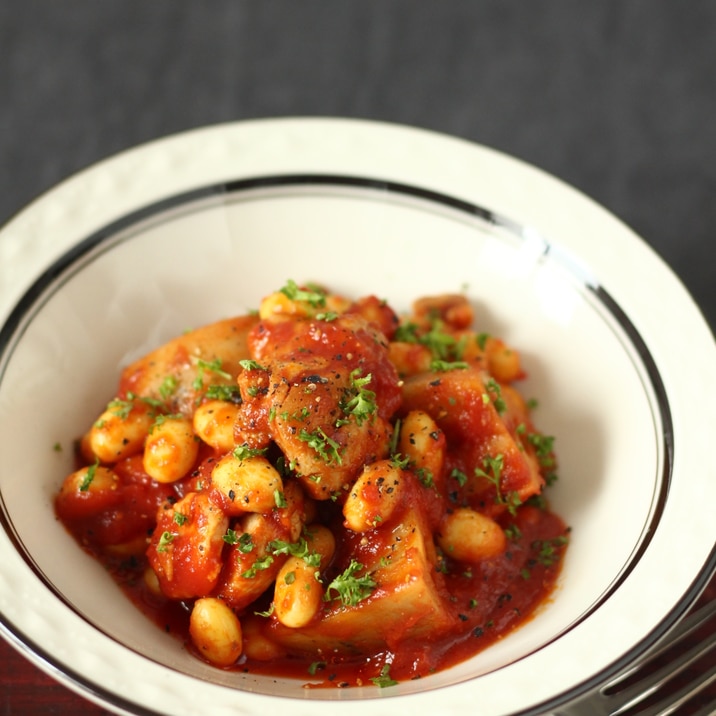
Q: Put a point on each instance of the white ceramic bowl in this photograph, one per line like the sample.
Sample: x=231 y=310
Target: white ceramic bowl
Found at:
x=200 y=226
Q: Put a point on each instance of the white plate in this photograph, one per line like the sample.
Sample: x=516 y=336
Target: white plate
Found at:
x=196 y=227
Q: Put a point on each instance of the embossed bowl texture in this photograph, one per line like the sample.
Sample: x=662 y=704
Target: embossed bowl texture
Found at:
x=200 y=226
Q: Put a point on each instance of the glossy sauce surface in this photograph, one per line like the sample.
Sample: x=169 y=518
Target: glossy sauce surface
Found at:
x=405 y=439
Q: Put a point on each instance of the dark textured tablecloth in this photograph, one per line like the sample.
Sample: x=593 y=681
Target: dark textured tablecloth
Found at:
x=616 y=97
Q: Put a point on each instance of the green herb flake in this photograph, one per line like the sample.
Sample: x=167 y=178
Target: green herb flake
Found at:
x=279 y=498
x=251 y=365
x=164 y=541
x=163 y=418
x=459 y=476
x=400 y=461
x=244 y=452
x=228 y=393
x=326 y=448
x=258 y=566
x=121 y=408
x=361 y=402
x=493 y=387
x=443 y=366
x=313 y=296
x=231 y=537
x=168 y=386
x=204 y=366
x=316 y=666
x=384 y=680
x=543 y=445
x=548 y=550
x=327 y=316
x=493 y=472
x=299 y=549
x=406 y=333
x=442 y=345
x=349 y=587
x=245 y=543
x=395 y=437
x=425 y=477
x=89 y=476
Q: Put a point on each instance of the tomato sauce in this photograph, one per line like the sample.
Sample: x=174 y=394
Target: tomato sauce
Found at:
x=322 y=409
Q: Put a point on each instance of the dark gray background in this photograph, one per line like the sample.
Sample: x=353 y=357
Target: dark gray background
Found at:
x=616 y=97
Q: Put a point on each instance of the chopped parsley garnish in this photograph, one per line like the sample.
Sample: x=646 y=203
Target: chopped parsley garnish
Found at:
x=168 y=386
x=311 y=295
x=350 y=588
x=538 y=501
x=406 y=333
x=229 y=393
x=425 y=476
x=400 y=461
x=89 y=476
x=298 y=549
x=327 y=316
x=180 y=519
x=498 y=401
x=121 y=408
x=267 y=613
x=161 y=419
x=258 y=566
x=164 y=541
x=245 y=544
x=299 y=416
x=232 y=537
x=244 y=452
x=460 y=476
x=251 y=365
x=361 y=403
x=443 y=366
x=548 y=550
x=493 y=473
x=442 y=345
x=543 y=445
x=383 y=679
x=394 y=438
x=279 y=498
x=481 y=340
x=326 y=448
x=213 y=366
x=281 y=465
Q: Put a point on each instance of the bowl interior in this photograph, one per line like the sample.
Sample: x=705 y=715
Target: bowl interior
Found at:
x=215 y=253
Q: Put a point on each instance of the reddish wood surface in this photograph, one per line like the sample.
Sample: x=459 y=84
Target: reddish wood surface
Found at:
x=27 y=691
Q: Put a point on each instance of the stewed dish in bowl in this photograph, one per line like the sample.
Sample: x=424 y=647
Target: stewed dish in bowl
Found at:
x=319 y=410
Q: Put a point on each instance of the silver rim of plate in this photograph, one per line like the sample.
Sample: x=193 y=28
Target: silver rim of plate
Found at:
x=122 y=229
